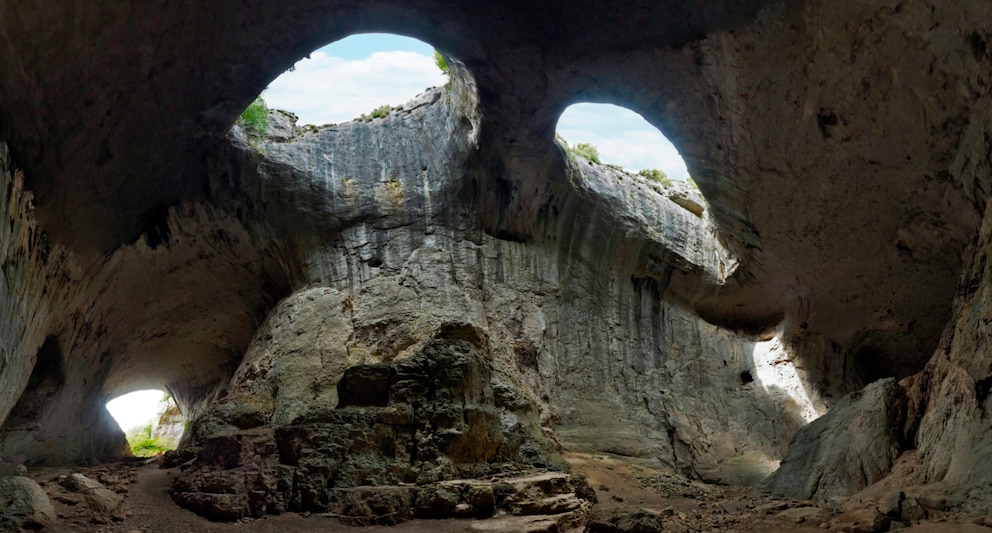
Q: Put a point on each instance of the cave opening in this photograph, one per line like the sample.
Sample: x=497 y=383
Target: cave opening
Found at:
x=620 y=136
x=363 y=75
x=150 y=419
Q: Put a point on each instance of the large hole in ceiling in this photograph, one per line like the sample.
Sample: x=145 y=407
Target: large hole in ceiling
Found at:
x=353 y=76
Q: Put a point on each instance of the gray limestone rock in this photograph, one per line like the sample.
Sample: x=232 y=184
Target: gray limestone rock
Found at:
x=23 y=504
x=842 y=203
x=849 y=448
x=281 y=125
x=424 y=418
x=98 y=497
x=623 y=520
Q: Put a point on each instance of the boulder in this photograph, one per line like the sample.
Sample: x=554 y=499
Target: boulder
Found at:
x=623 y=520
x=104 y=502
x=849 y=448
x=23 y=504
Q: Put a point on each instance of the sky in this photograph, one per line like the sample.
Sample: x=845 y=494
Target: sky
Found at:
x=623 y=138
x=360 y=73
x=136 y=409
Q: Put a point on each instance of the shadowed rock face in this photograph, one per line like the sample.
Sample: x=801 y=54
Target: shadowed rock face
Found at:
x=844 y=153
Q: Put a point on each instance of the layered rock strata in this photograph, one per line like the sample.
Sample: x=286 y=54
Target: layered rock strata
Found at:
x=843 y=150
x=609 y=360
x=940 y=414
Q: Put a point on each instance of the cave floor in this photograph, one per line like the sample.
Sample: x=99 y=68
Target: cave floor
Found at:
x=685 y=505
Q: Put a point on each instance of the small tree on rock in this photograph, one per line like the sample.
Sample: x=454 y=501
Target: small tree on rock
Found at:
x=587 y=151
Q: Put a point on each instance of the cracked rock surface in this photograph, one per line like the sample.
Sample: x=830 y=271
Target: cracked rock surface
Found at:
x=843 y=153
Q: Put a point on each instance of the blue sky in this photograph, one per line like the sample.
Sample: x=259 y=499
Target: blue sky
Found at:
x=362 y=72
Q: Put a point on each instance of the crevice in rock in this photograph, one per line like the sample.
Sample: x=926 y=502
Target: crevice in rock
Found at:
x=47 y=379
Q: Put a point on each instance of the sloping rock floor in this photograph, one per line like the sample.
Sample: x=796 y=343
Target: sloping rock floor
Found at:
x=629 y=498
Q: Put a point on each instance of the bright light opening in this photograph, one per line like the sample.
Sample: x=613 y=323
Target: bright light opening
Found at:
x=777 y=375
x=355 y=75
x=150 y=419
x=622 y=137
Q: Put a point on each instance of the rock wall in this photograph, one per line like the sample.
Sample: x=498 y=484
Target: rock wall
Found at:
x=842 y=137
x=169 y=426
x=582 y=332
x=949 y=399
x=843 y=150
x=80 y=332
x=940 y=413
x=588 y=316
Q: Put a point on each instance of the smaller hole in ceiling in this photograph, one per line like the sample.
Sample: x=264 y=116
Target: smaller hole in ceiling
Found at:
x=621 y=137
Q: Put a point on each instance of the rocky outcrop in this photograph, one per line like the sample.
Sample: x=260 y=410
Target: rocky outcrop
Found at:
x=170 y=425
x=949 y=399
x=103 y=502
x=436 y=415
x=24 y=505
x=849 y=448
x=623 y=520
x=148 y=247
x=410 y=293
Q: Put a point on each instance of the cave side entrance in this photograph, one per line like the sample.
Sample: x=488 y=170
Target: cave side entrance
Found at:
x=150 y=419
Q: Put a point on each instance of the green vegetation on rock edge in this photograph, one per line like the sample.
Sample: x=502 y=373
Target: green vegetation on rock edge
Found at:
x=254 y=118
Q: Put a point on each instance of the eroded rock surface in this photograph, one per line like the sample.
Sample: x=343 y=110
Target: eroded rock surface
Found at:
x=849 y=448
x=353 y=361
x=145 y=247
x=102 y=501
x=23 y=504
x=622 y=520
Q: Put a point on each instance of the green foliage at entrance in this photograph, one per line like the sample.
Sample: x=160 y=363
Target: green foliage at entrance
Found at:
x=441 y=63
x=144 y=445
x=255 y=117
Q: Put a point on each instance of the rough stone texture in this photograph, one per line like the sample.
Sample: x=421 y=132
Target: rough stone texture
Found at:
x=623 y=520
x=435 y=413
x=949 y=399
x=516 y=293
x=69 y=341
x=103 y=501
x=849 y=448
x=405 y=274
x=23 y=504
x=170 y=425
x=142 y=247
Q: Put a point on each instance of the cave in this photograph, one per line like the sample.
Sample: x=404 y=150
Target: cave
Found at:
x=444 y=313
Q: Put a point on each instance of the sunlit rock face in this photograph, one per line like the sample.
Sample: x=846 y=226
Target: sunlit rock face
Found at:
x=843 y=152
x=578 y=335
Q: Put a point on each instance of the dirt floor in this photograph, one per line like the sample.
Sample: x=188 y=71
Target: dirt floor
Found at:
x=684 y=505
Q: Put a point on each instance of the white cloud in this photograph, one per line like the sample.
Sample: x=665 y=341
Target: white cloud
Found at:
x=327 y=89
x=623 y=138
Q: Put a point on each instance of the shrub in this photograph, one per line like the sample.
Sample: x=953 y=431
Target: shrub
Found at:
x=441 y=63
x=690 y=181
x=587 y=151
x=378 y=112
x=654 y=174
x=255 y=117
x=381 y=111
x=144 y=445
